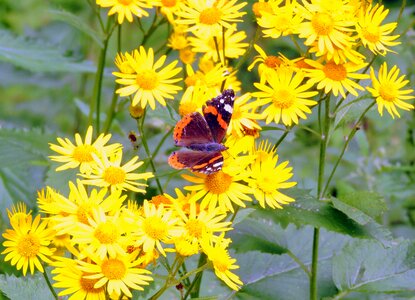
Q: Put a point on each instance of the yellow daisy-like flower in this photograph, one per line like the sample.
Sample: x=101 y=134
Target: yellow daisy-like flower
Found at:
x=223 y=188
x=71 y=279
x=336 y=78
x=118 y=274
x=125 y=8
x=26 y=245
x=212 y=45
x=207 y=17
x=202 y=224
x=150 y=82
x=103 y=235
x=243 y=116
x=169 y=8
x=373 y=35
x=78 y=207
x=223 y=263
x=260 y=6
x=280 y=21
x=157 y=226
x=325 y=25
x=388 y=90
x=80 y=154
x=267 y=178
x=19 y=213
x=110 y=173
x=122 y=64
x=287 y=95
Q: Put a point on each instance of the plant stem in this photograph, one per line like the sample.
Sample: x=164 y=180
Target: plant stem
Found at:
x=325 y=127
x=195 y=286
x=96 y=95
x=287 y=130
x=45 y=275
x=348 y=139
x=140 y=124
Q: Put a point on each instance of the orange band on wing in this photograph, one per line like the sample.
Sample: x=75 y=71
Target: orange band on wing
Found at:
x=206 y=163
x=178 y=130
x=174 y=162
x=214 y=111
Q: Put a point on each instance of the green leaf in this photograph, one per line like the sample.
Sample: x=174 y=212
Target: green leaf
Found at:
x=28 y=287
x=361 y=206
x=78 y=23
x=38 y=56
x=307 y=210
x=270 y=276
x=367 y=266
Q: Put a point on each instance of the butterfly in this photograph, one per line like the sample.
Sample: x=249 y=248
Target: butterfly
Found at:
x=202 y=136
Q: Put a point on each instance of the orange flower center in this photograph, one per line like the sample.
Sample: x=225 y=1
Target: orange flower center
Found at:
x=371 y=33
x=218 y=183
x=147 y=79
x=272 y=61
x=187 y=56
x=88 y=285
x=195 y=228
x=106 y=233
x=125 y=2
x=335 y=72
x=283 y=99
x=210 y=16
x=257 y=7
x=169 y=3
x=160 y=199
x=28 y=246
x=155 y=228
x=114 y=175
x=322 y=23
x=388 y=92
x=83 y=153
x=83 y=213
x=187 y=108
x=267 y=184
x=113 y=269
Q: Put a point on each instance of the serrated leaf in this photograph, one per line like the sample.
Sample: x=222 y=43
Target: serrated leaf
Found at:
x=367 y=266
x=38 y=56
x=307 y=210
x=370 y=204
x=78 y=23
x=28 y=287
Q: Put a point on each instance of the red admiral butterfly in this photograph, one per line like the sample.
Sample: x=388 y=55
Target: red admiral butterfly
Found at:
x=202 y=136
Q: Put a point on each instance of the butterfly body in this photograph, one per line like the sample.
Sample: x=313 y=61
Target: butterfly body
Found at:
x=202 y=136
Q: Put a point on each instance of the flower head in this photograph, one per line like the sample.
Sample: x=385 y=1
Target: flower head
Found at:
x=125 y=8
x=388 y=90
x=26 y=245
x=149 y=81
x=80 y=154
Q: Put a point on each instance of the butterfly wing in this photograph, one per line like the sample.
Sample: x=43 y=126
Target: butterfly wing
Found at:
x=197 y=161
x=218 y=114
x=192 y=129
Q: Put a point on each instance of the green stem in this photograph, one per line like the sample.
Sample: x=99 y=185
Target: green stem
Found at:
x=195 y=286
x=149 y=156
x=170 y=279
x=96 y=95
x=325 y=127
x=249 y=50
x=45 y=275
x=299 y=262
x=346 y=144
x=287 y=130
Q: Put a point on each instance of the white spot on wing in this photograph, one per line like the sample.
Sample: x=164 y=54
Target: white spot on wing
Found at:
x=228 y=108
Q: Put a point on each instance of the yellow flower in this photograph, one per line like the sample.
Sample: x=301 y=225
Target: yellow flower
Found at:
x=148 y=82
x=102 y=235
x=339 y=55
x=336 y=78
x=374 y=35
x=178 y=40
x=169 y=8
x=260 y=6
x=26 y=245
x=200 y=224
x=110 y=173
x=72 y=280
x=125 y=8
x=223 y=263
x=267 y=178
x=207 y=17
x=287 y=95
x=19 y=213
x=388 y=90
x=280 y=21
x=326 y=24
x=78 y=207
x=157 y=226
x=223 y=188
x=212 y=45
x=80 y=154
x=118 y=274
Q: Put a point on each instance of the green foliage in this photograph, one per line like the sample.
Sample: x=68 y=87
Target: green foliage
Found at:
x=31 y=287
